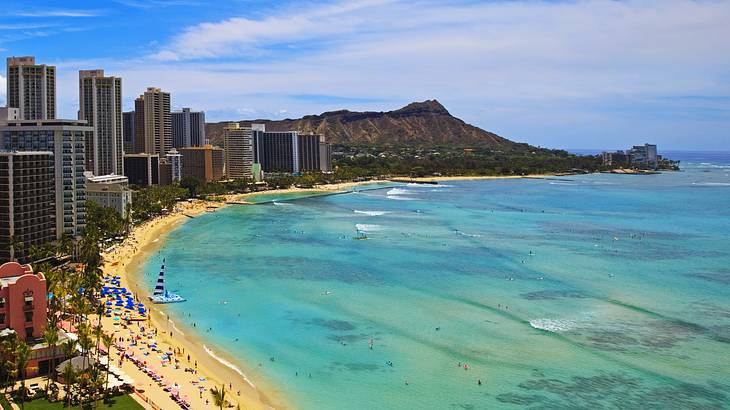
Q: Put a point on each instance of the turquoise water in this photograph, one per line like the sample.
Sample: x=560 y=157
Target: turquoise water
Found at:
x=594 y=291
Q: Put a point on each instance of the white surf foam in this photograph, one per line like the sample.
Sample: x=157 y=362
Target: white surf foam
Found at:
x=281 y=203
x=553 y=325
x=228 y=364
x=401 y=198
x=368 y=227
x=371 y=213
x=711 y=183
x=398 y=191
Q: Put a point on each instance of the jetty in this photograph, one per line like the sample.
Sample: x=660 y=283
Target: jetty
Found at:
x=414 y=181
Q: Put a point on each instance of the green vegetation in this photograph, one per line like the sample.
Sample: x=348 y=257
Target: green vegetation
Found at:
x=117 y=403
x=368 y=161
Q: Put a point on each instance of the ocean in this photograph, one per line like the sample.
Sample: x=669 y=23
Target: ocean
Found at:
x=591 y=291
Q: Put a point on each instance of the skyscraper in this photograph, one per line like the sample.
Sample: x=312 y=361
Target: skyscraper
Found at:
x=128 y=129
x=309 y=152
x=31 y=87
x=202 y=163
x=238 y=143
x=188 y=128
x=66 y=139
x=278 y=151
x=138 y=142
x=100 y=101
x=26 y=202
x=153 y=124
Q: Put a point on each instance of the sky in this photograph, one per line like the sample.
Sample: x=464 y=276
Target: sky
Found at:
x=582 y=74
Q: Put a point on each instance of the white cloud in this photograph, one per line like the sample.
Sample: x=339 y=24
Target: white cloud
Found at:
x=59 y=13
x=524 y=69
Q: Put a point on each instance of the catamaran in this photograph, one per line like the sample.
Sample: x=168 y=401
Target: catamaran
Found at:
x=161 y=295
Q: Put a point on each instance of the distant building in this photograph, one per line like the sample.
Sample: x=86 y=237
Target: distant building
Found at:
x=128 y=129
x=277 y=152
x=111 y=191
x=175 y=160
x=23 y=300
x=31 y=88
x=238 y=143
x=139 y=129
x=26 y=201
x=142 y=169
x=325 y=157
x=66 y=139
x=644 y=156
x=188 y=128
x=202 y=163
x=615 y=159
x=153 y=123
x=100 y=102
x=165 y=172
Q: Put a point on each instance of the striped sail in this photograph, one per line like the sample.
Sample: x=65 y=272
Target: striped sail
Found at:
x=160 y=287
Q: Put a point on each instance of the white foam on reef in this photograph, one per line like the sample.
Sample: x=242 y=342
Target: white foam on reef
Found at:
x=711 y=183
x=398 y=191
x=562 y=183
x=281 y=203
x=401 y=198
x=370 y=213
x=228 y=364
x=368 y=227
x=553 y=325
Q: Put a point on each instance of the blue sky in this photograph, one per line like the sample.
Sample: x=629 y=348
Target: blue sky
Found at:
x=567 y=74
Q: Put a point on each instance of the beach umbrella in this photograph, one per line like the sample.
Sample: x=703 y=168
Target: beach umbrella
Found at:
x=108 y=303
x=81 y=291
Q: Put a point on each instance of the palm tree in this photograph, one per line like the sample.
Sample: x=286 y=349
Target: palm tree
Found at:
x=50 y=336
x=65 y=244
x=219 y=396
x=107 y=340
x=22 y=354
x=69 y=348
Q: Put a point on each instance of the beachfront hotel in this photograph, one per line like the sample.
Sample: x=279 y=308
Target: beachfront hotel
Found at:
x=66 y=139
x=26 y=202
x=142 y=169
x=156 y=121
x=100 y=104
x=238 y=143
x=203 y=163
x=111 y=191
x=22 y=300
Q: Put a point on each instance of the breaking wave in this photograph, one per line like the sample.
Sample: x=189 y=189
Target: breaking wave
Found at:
x=370 y=213
x=368 y=227
x=228 y=364
x=553 y=325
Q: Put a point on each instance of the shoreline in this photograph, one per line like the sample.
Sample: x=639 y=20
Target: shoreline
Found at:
x=127 y=260
x=213 y=362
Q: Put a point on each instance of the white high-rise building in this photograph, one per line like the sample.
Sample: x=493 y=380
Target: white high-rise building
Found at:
x=100 y=101
x=31 y=88
x=238 y=142
x=175 y=160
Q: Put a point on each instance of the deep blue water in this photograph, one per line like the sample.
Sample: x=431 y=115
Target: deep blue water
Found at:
x=593 y=291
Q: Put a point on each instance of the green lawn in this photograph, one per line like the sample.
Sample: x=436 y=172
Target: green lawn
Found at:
x=118 y=403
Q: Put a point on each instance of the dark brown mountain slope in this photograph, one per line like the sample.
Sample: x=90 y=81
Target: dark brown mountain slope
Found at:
x=418 y=123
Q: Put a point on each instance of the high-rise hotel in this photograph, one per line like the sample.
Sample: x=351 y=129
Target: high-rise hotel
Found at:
x=100 y=101
x=238 y=144
x=31 y=88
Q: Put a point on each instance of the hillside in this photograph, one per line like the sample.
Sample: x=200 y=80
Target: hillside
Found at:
x=418 y=123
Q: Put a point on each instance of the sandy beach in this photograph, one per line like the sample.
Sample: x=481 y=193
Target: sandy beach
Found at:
x=126 y=260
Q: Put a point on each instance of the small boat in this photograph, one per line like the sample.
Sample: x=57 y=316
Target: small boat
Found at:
x=360 y=236
x=161 y=295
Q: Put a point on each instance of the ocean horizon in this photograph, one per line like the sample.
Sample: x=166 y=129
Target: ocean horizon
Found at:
x=604 y=291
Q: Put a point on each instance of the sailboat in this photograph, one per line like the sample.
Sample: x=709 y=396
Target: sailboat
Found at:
x=360 y=235
x=161 y=295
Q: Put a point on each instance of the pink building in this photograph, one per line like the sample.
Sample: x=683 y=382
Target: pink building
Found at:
x=22 y=300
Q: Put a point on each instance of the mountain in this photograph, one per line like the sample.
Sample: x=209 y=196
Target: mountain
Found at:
x=418 y=123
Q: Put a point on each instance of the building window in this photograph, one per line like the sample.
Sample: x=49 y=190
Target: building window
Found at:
x=2 y=303
x=28 y=300
x=2 y=318
x=28 y=332
x=28 y=316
